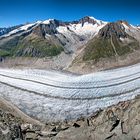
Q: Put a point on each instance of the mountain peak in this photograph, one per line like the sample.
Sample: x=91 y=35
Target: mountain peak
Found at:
x=113 y=29
x=39 y=21
x=92 y=20
x=124 y=22
x=47 y=21
x=88 y=19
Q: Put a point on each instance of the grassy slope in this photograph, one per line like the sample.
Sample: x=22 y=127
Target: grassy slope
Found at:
x=30 y=46
x=4 y=53
x=36 y=47
x=102 y=48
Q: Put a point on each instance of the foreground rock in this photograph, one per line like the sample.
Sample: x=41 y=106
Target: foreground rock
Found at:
x=119 y=122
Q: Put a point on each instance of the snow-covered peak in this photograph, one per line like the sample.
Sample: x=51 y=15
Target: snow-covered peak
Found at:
x=134 y=27
x=85 y=29
x=22 y=28
x=138 y=26
x=47 y=21
x=98 y=21
x=91 y=20
x=38 y=22
x=132 y=30
x=125 y=26
x=25 y=27
x=129 y=27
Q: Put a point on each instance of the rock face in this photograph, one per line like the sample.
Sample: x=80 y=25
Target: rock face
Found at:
x=14 y=128
x=119 y=122
x=113 y=29
x=87 y=19
x=9 y=126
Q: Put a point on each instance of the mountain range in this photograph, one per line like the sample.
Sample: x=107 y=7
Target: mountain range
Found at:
x=87 y=42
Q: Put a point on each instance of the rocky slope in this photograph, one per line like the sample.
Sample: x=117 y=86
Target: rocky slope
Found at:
x=112 y=40
x=119 y=122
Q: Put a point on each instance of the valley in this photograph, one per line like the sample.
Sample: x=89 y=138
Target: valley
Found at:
x=70 y=80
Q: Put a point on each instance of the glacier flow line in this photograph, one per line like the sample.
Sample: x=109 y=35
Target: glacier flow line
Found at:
x=66 y=87
x=71 y=98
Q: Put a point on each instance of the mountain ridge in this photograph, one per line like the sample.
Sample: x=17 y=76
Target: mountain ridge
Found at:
x=84 y=40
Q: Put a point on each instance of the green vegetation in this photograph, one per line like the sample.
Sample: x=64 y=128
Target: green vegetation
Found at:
x=36 y=47
x=4 y=53
x=102 y=48
x=30 y=47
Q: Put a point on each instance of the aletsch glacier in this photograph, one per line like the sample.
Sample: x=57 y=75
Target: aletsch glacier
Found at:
x=55 y=96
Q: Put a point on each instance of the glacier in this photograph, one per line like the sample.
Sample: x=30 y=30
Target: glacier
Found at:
x=57 y=96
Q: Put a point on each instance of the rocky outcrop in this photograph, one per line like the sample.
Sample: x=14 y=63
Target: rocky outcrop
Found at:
x=87 y=19
x=113 y=29
x=9 y=126
x=13 y=128
x=118 y=122
x=43 y=29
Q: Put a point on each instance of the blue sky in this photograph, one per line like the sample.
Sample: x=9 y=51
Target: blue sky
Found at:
x=13 y=12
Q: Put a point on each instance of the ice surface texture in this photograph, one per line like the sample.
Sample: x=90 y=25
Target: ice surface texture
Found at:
x=54 y=96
